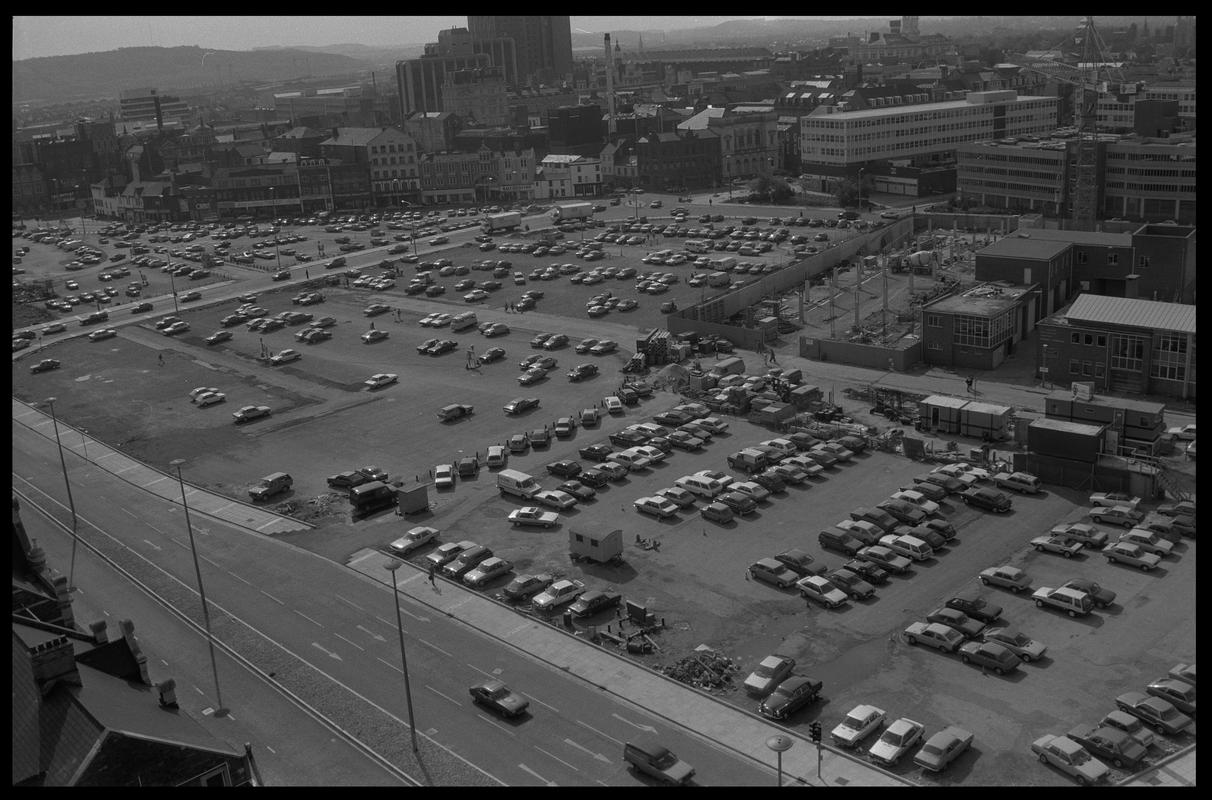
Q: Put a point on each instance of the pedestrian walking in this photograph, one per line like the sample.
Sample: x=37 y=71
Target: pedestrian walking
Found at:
x=433 y=571
x=969 y=383
x=306 y=274
x=161 y=357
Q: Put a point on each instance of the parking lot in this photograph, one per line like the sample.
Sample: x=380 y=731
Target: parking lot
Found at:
x=325 y=421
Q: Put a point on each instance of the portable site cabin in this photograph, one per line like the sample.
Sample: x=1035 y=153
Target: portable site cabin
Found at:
x=600 y=548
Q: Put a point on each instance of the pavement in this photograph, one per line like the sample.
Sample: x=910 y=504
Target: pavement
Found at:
x=1177 y=770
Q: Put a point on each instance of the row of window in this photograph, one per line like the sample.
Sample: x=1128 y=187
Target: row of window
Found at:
x=1089 y=369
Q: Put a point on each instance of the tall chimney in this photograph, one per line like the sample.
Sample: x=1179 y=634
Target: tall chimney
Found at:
x=611 y=125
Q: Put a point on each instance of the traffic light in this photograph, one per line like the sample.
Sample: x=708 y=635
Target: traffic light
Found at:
x=815 y=730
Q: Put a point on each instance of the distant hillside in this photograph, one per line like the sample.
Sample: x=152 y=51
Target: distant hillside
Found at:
x=175 y=70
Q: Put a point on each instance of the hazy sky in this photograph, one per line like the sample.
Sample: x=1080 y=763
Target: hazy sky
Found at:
x=67 y=35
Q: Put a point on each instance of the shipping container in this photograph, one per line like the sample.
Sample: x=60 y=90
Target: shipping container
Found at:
x=941 y=413
x=1074 y=441
x=985 y=421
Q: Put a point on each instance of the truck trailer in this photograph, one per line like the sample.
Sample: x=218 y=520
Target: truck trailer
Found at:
x=501 y=222
x=572 y=211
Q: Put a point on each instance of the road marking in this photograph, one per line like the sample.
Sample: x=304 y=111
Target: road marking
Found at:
x=326 y=651
x=213 y=563
x=165 y=663
x=497 y=725
x=237 y=577
x=414 y=616
x=355 y=644
x=412 y=577
x=309 y=619
x=482 y=672
x=128 y=512
x=544 y=705
x=393 y=666
x=270 y=749
x=459 y=604
x=598 y=732
x=157 y=480
x=350 y=602
x=647 y=728
x=435 y=647
x=266 y=525
x=518 y=629
x=199 y=691
x=223 y=507
x=537 y=775
x=271 y=597
x=371 y=634
x=444 y=696
x=107 y=455
x=586 y=750
x=153 y=544
x=557 y=758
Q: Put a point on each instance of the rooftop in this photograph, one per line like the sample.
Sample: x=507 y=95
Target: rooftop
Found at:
x=1081 y=237
x=1146 y=406
x=1067 y=426
x=1038 y=249
x=1150 y=314
x=917 y=108
x=985 y=300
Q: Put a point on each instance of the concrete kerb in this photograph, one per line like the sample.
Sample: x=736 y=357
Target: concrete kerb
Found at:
x=169 y=497
x=626 y=663
x=1181 y=753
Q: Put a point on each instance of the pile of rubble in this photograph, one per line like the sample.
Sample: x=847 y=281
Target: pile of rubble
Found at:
x=703 y=669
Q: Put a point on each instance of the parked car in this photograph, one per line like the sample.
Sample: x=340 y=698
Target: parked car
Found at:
x=990 y=655
x=862 y=721
x=1016 y=642
x=1113 y=499
x=1070 y=758
x=943 y=748
x=1159 y=714
x=770 y=672
x=988 y=499
x=1110 y=744
x=526 y=586
x=896 y=741
x=532 y=515
x=958 y=620
x=1061 y=545
x=1132 y=555
x=1081 y=532
x=592 y=602
x=934 y=634
x=1116 y=515
x=975 y=607
x=413 y=539
x=1179 y=694
x=792 y=694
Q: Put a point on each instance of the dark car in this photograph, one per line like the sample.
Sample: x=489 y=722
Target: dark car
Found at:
x=347 y=480
x=739 y=502
x=592 y=602
x=520 y=404
x=975 y=607
x=498 y=697
x=626 y=438
x=139 y=308
x=872 y=573
x=539 y=437
x=578 y=490
x=986 y=498
x=769 y=481
x=45 y=365
x=564 y=469
x=1110 y=744
x=795 y=692
x=851 y=583
x=594 y=478
x=595 y=452
x=525 y=586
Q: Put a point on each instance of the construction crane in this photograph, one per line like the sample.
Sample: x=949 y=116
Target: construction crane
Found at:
x=1091 y=78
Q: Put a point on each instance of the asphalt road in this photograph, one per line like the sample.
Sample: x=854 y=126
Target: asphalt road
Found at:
x=344 y=640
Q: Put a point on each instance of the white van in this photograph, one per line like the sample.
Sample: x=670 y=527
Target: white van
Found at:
x=718 y=279
x=694 y=246
x=462 y=322
x=700 y=485
x=519 y=484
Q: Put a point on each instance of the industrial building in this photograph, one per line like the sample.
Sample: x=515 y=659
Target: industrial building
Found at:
x=978 y=328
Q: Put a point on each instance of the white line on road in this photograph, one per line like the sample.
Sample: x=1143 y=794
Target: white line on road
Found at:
x=350 y=602
x=128 y=512
x=266 y=525
x=462 y=602
x=435 y=647
x=165 y=663
x=412 y=577
x=271 y=597
x=521 y=627
x=598 y=732
x=414 y=616
x=199 y=691
x=537 y=775
x=309 y=619
x=106 y=455
x=393 y=666
x=223 y=507
x=153 y=544
x=270 y=749
x=213 y=563
x=587 y=751
x=497 y=725
x=544 y=705
x=355 y=644
x=127 y=468
x=330 y=653
x=237 y=577
x=444 y=696
x=641 y=726
x=482 y=672
x=157 y=480
x=557 y=758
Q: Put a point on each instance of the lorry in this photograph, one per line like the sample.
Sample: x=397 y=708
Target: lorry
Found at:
x=749 y=460
x=517 y=483
x=572 y=211
x=501 y=222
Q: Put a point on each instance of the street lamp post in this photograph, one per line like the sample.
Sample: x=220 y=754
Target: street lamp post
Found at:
x=50 y=402
x=272 y=211
x=172 y=280
x=391 y=567
x=210 y=639
x=779 y=744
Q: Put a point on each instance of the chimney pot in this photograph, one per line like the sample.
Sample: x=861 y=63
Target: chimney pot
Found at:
x=99 y=631
x=168 y=693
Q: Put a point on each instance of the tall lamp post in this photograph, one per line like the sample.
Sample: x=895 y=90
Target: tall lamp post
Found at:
x=273 y=210
x=780 y=744
x=391 y=567
x=210 y=639
x=50 y=402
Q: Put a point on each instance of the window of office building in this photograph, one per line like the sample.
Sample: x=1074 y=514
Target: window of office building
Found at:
x=1127 y=352
x=1169 y=360
x=934 y=320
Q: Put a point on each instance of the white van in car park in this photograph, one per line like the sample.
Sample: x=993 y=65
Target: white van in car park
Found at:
x=462 y=322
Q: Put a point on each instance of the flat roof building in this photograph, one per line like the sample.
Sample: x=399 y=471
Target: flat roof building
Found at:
x=979 y=328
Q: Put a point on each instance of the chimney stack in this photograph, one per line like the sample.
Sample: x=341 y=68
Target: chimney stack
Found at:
x=99 y=633
x=611 y=124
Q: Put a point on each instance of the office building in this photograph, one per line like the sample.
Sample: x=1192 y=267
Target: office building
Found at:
x=148 y=108
x=542 y=44
x=980 y=327
x=748 y=140
x=1121 y=345
x=476 y=95
x=420 y=81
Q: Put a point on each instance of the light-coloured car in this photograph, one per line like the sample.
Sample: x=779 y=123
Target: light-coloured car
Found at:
x=1112 y=499
x=1132 y=555
x=942 y=748
x=1178 y=693
x=381 y=379
x=414 y=538
x=486 y=570
x=533 y=515
x=677 y=495
x=1159 y=714
x=1116 y=515
x=1061 y=545
x=1016 y=642
x=285 y=357
x=896 y=741
x=443 y=476
x=554 y=498
x=1007 y=577
x=1148 y=541
x=210 y=399
x=557 y=594
x=918 y=499
x=862 y=721
x=1081 y=532
x=194 y=394
x=768 y=674
x=773 y=572
x=497 y=456
x=819 y=589
x=934 y=634
x=656 y=506
x=1070 y=758
x=758 y=493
